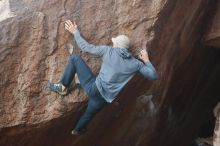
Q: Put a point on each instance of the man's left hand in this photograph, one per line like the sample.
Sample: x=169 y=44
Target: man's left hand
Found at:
x=71 y=27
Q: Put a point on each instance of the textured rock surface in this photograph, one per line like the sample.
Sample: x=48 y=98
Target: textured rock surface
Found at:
x=167 y=112
x=213 y=34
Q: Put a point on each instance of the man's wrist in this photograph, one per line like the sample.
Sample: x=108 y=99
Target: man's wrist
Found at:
x=75 y=32
x=146 y=61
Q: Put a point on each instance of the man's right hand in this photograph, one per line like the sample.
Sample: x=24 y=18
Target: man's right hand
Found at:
x=71 y=27
x=144 y=55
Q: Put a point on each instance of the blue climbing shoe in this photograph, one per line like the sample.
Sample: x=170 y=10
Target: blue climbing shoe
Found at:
x=58 y=88
x=77 y=132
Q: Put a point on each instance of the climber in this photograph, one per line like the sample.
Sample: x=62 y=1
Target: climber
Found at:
x=118 y=67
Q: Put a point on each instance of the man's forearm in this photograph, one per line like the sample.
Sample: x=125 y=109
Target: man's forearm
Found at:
x=81 y=42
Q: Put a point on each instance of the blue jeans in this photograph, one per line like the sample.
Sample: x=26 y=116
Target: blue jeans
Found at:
x=87 y=81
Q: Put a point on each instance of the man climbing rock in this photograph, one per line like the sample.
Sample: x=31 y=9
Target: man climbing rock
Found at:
x=118 y=67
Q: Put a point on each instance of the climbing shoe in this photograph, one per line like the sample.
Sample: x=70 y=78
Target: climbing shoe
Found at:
x=76 y=132
x=58 y=87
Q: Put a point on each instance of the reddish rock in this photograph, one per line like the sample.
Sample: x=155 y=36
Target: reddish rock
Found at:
x=167 y=112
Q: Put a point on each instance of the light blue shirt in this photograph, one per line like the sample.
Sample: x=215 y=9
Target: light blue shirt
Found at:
x=118 y=67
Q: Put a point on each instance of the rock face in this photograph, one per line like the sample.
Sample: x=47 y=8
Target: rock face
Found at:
x=167 y=112
x=213 y=33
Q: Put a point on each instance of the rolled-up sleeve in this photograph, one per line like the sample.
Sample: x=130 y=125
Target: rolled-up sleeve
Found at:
x=87 y=47
x=148 y=70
